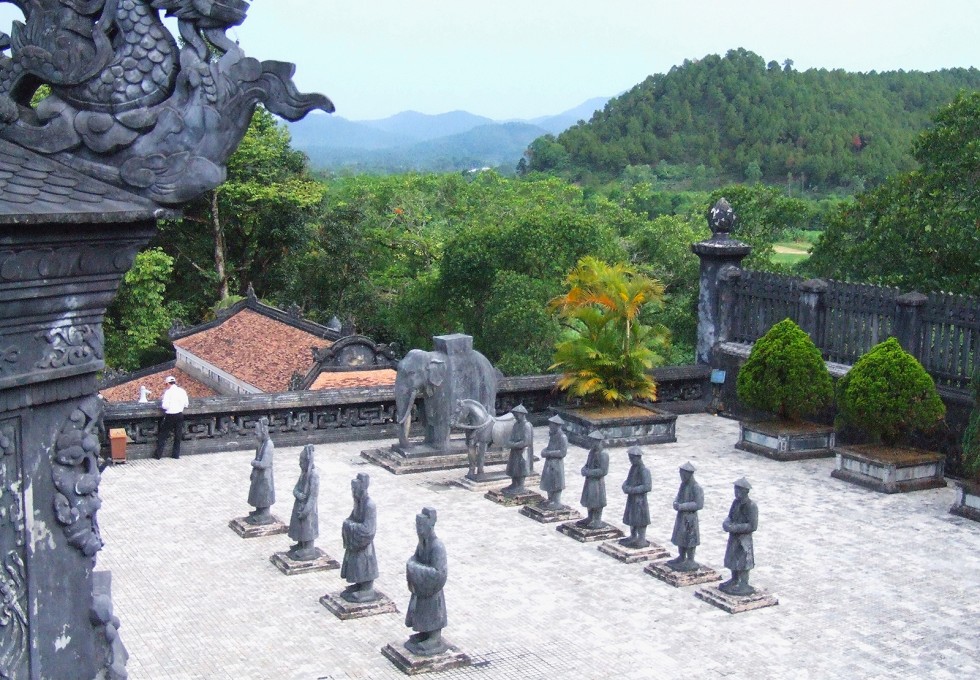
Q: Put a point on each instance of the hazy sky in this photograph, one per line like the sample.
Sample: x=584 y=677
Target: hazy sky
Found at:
x=527 y=58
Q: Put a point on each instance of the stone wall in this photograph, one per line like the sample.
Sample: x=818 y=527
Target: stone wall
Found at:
x=226 y=423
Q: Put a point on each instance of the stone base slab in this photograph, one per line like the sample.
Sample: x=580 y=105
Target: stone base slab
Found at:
x=345 y=610
x=681 y=579
x=908 y=470
x=412 y=664
x=583 y=535
x=546 y=516
x=398 y=463
x=291 y=567
x=786 y=441
x=967 y=503
x=491 y=480
x=736 y=604
x=628 y=555
x=246 y=530
x=526 y=497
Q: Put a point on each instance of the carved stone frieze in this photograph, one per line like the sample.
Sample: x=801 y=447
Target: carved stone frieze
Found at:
x=72 y=346
x=76 y=476
x=61 y=263
x=14 y=625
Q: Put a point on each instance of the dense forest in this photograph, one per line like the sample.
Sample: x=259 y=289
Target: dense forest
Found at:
x=737 y=118
x=406 y=257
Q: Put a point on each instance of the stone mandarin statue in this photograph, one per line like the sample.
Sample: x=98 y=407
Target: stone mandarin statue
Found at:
x=553 y=472
x=521 y=440
x=742 y=521
x=262 y=490
x=636 y=487
x=594 y=489
x=304 y=524
x=686 y=535
x=360 y=566
x=426 y=572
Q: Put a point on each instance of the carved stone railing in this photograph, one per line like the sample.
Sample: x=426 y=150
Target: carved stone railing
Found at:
x=227 y=423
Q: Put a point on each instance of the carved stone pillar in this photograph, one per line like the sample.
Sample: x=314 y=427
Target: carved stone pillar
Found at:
x=719 y=253
x=55 y=283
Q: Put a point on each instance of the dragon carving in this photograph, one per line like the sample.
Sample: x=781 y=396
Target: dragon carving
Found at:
x=127 y=105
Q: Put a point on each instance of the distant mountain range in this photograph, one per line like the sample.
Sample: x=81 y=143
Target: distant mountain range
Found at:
x=409 y=140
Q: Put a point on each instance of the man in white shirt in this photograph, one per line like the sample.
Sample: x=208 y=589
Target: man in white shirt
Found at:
x=173 y=403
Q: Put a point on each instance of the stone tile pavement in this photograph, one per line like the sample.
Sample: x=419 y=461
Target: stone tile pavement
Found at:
x=870 y=586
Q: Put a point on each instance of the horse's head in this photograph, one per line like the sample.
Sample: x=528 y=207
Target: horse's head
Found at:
x=457 y=413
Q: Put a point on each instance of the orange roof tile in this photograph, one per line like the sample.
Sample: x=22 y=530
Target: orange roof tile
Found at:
x=330 y=380
x=130 y=391
x=255 y=349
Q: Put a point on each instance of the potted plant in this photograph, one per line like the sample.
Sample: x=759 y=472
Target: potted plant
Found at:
x=606 y=353
x=887 y=394
x=785 y=375
x=968 y=494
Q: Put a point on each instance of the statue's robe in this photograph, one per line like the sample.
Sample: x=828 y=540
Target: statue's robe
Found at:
x=426 y=572
x=743 y=519
x=304 y=524
x=521 y=439
x=553 y=472
x=360 y=563
x=595 y=471
x=637 y=485
x=690 y=499
x=262 y=490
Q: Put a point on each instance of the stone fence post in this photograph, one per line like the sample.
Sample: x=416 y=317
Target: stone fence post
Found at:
x=813 y=310
x=908 y=322
x=720 y=257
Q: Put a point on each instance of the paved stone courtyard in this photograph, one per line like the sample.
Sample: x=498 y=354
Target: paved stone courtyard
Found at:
x=869 y=585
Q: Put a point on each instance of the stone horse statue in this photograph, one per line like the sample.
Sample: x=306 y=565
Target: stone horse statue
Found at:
x=482 y=431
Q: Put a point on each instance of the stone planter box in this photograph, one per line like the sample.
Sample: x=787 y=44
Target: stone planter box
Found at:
x=630 y=425
x=889 y=469
x=967 y=501
x=786 y=440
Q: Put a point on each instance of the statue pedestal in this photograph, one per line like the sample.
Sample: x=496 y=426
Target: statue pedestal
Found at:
x=489 y=480
x=736 y=604
x=581 y=534
x=345 y=610
x=412 y=664
x=421 y=458
x=681 y=579
x=526 y=497
x=246 y=530
x=633 y=555
x=290 y=567
x=538 y=513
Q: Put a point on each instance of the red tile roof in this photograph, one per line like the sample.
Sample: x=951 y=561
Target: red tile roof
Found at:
x=255 y=349
x=130 y=391
x=329 y=380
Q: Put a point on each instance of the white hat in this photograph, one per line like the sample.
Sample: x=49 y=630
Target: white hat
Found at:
x=170 y=379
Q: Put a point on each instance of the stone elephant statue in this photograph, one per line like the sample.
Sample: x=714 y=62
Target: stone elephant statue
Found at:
x=452 y=371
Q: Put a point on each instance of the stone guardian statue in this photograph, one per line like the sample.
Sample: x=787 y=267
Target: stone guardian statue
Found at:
x=426 y=573
x=636 y=487
x=553 y=472
x=686 y=535
x=521 y=440
x=742 y=521
x=304 y=524
x=262 y=490
x=360 y=566
x=594 y=488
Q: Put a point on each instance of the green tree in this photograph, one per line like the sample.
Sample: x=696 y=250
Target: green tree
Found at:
x=606 y=353
x=919 y=230
x=138 y=319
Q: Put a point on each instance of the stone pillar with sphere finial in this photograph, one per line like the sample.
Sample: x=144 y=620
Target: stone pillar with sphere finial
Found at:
x=721 y=258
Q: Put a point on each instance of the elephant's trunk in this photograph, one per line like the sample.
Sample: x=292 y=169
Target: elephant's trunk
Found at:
x=404 y=399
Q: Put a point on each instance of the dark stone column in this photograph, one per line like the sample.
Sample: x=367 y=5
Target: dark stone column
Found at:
x=718 y=253
x=55 y=283
x=908 y=322
x=813 y=311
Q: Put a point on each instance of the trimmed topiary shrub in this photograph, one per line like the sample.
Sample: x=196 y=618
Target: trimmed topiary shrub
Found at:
x=971 y=437
x=785 y=374
x=887 y=393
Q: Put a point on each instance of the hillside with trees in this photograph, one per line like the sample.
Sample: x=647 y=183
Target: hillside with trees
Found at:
x=737 y=118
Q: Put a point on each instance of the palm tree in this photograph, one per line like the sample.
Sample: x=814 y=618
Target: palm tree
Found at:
x=606 y=351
